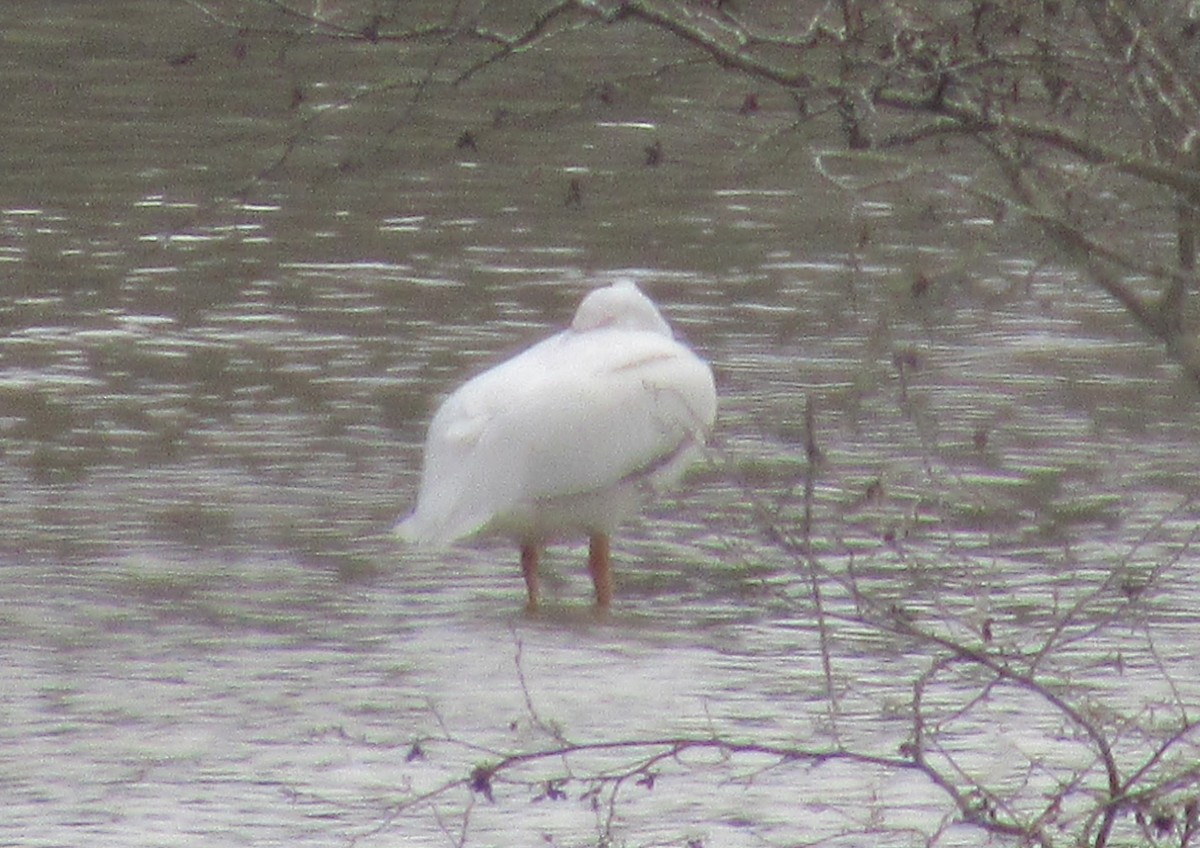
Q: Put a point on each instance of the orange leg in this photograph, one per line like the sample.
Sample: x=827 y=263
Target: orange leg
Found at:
x=601 y=570
x=529 y=566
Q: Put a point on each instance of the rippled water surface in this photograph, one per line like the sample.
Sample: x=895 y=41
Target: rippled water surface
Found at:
x=213 y=389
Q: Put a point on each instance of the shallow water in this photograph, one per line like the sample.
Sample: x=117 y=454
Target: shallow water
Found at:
x=212 y=405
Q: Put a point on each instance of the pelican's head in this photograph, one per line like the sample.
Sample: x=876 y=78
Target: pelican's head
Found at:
x=621 y=306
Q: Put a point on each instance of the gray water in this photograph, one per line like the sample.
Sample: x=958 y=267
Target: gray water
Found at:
x=214 y=386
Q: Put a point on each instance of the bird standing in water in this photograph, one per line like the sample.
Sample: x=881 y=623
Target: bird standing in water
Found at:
x=568 y=437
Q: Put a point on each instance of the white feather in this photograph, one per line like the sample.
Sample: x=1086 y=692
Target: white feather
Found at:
x=570 y=435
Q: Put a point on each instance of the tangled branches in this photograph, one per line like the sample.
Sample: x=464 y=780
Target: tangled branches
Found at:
x=1087 y=109
x=1009 y=733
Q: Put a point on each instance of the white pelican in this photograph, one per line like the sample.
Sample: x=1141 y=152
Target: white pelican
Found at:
x=567 y=437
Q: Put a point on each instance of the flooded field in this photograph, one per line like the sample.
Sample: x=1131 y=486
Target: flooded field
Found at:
x=213 y=392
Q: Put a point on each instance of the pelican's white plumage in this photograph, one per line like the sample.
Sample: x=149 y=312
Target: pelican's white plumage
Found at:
x=567 y=437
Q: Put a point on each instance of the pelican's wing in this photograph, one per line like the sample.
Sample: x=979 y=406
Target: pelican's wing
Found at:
x=626 y=406
x=467 y=475
x=578 y=413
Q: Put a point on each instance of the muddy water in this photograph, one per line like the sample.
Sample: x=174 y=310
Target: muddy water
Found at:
x=213 y=389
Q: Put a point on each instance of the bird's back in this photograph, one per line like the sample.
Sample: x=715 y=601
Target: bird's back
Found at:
x=579 y=418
